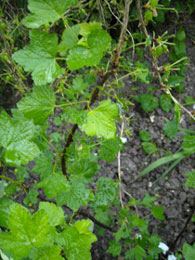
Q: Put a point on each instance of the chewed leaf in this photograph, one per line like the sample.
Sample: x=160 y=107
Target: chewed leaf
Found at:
x=100 y=120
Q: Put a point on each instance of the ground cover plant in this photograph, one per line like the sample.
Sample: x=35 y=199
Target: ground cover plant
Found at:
x=63 y=66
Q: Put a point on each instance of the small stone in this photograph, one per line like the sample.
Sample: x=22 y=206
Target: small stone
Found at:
x=174 y=183
x=182 y=196
x=167 y=185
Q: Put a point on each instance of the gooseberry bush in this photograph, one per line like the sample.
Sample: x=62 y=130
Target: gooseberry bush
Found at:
x=66 y=70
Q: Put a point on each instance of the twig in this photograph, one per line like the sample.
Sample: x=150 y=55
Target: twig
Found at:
x=119 y=167
x=116 y=17
x=115 y=61
x=84 y=213
x=81 y=212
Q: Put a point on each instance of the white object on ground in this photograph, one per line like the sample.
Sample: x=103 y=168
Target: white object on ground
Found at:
x=123 y=139
x=164 y=247
x=91 y=228
x=172 y=257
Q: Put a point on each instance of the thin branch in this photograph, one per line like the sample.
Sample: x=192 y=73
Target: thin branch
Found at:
x=81 y=212
x=115 y=61
x=84 y=213
x=119 y=167
x=116 y=17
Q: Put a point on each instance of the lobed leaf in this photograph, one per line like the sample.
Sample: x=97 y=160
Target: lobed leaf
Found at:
x=39 y=57
x=16 y=136
x=26 y=231
x=39 y=105
x=46 y=11
x=78 y=240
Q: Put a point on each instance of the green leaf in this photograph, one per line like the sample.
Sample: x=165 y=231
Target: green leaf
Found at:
x=39 y=57
x=165 y=103
x=188 y=144
x=153 y=249
x=171 y=128
x=158 y=212
x=86 y=167
x=175 y=80
x=46 y=11
x=75 y=196
x=80 y=56
x=79 y=85
x=114 y=248
x=55 y=214
x=69 y=39
x=136 y=253
x=97 y=43
x=14 y=130
x=87 y=28
x=110 y=148
x=39 y=105
x=25 y=231
x=43 y=165
x=22 y=152
x=149 y=148
x=106 y=192
x=148 y=15
x=78 y=240
x=161 y=161
x=180 y=36
x=100 y=120
x=46 y=253
x=4 y=211
x=190 y=179
x=15 y=136
x=144 y=135
x=74 y=115
x=188 y=251
x=53 y=184
x=153 y=3
x=147 y=201
x=31 y=197
x=148 y=102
